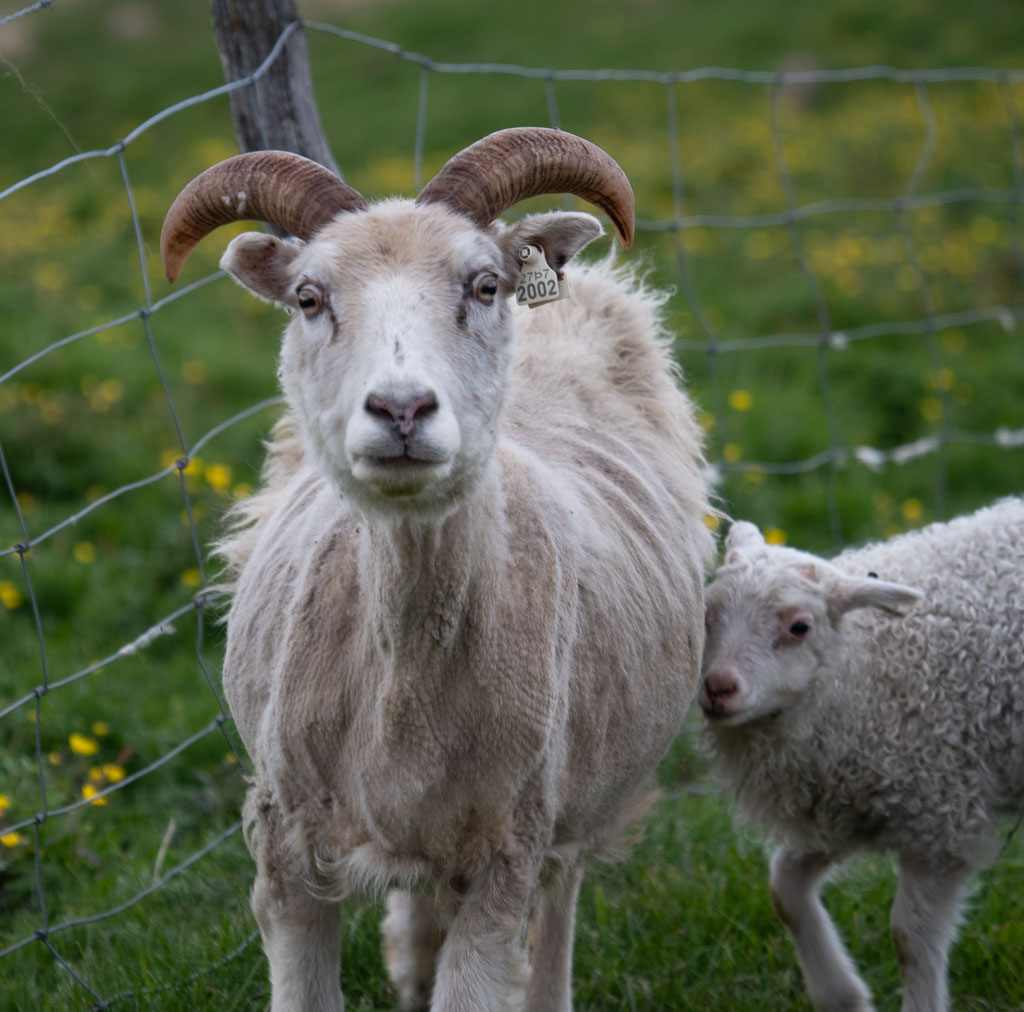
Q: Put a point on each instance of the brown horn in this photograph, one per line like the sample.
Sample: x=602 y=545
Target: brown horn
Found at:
x=491 y=175
x=278 y=187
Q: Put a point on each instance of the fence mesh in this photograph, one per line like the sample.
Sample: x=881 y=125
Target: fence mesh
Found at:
x=787 y=443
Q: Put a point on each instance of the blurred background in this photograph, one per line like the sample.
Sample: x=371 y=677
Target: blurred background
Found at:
x=845 y=248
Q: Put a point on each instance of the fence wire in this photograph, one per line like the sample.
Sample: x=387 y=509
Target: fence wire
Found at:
x=35 y=682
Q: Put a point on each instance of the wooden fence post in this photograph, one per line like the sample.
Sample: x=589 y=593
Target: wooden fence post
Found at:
x=279 y=110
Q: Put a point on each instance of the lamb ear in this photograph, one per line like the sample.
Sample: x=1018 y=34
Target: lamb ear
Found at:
x=743 y=536
x=561 y=234
x=846 y=593
x=260 y=263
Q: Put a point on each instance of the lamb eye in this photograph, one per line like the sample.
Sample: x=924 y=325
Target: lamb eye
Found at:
x=799 y=629
x=485 y=287
x=309 y=300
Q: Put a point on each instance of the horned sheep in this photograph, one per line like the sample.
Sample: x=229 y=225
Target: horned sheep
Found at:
x=873 y=703
x=467 y=613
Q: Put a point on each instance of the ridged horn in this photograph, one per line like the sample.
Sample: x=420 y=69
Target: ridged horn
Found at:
x=278 y=187
x=488 y=177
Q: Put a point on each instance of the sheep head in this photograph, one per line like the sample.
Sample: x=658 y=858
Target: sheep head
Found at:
x=395 y=359
x=774 y=626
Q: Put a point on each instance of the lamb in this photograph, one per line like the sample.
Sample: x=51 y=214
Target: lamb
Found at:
x=467 y=612
x=875 y=702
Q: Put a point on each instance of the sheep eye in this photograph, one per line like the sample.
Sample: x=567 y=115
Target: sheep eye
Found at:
x=799 y=629
x=485 y=287
x=309 y=300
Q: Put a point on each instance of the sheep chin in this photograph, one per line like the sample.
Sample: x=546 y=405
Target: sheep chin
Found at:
x=400 y=477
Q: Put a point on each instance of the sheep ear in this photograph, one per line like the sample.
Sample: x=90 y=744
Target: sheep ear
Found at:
x=261 y=263
x=743 y=536
x=561 y=234
x=846 y=593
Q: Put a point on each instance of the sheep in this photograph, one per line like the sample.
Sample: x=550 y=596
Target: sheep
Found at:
x=467 y=606
x=873 y=703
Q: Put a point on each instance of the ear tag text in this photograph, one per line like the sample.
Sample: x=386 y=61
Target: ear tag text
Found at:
x=537 y=282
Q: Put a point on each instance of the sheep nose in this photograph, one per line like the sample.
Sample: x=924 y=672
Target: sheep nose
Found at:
x=720 y=687
x=402 y=412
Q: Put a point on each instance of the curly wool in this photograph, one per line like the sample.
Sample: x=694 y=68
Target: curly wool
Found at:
x=916 y=740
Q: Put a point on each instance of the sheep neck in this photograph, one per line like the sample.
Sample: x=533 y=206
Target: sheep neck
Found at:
x=421 y=576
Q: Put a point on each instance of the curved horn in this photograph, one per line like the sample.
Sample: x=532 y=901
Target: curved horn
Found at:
x=278 y=187
x=491 y=175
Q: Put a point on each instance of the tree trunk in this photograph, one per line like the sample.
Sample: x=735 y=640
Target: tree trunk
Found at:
x=279 y=110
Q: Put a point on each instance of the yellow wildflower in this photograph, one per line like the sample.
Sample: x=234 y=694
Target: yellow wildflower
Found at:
x=12 y=839
x=100 y=728
x=218 y=475
x=84 y=552
x=95 y=774
x=732 y=452
x=5 y=803
x=911 y=509
x=741 y=400
x=113 y=772
x=775 y=536
x=89 y=791
x=191 y=578
x=10 y=596
x=112 y=390
x=81 y=745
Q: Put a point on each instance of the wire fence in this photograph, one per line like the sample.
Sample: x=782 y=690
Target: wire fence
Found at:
x=677 y=234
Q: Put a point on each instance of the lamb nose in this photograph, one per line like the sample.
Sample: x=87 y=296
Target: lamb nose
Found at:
x=403 y=413
x=721 y=684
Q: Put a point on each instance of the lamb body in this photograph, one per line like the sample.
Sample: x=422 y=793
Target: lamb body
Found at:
x=844 y=725
x=456 y=670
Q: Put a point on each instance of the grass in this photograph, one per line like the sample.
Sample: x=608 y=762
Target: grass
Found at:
x=686 y=922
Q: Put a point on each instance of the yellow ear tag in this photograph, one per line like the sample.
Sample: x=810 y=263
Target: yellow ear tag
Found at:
x=537 y=282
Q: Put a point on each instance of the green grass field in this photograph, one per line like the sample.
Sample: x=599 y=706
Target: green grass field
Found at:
x=686 y=922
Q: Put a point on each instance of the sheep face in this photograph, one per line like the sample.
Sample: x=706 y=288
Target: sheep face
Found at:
x=774 y=627
x=396 y=356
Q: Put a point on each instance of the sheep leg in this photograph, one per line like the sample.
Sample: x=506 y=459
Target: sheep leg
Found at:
x=549 y=941
x=301 y=937
x=832 y=982
x=412 y=939
x=482 y=965
x=923 y=921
